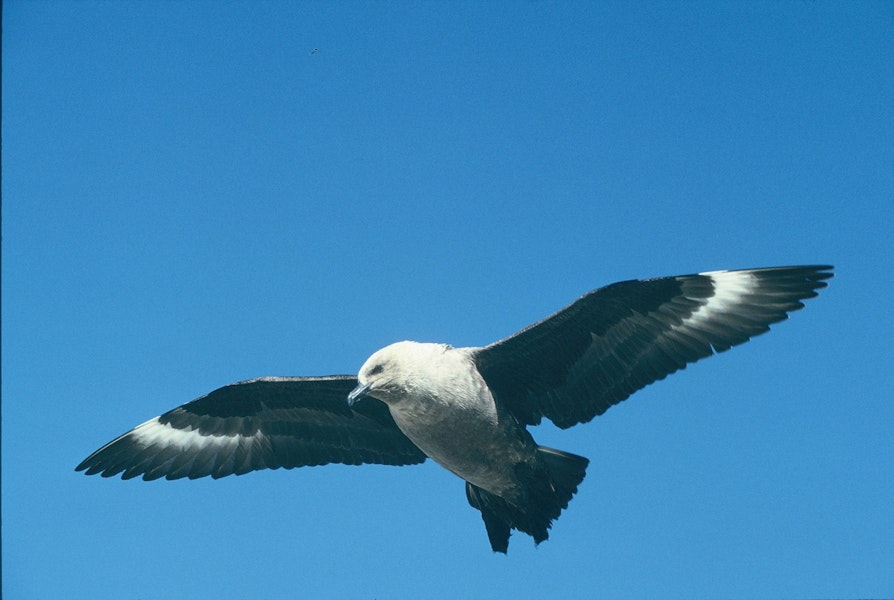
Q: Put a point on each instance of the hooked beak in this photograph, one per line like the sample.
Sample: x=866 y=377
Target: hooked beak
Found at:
x=358 y=393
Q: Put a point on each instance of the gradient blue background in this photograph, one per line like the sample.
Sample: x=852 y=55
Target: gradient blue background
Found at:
x=191 y=198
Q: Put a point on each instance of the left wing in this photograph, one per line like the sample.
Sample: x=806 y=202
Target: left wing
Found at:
x=266 y=423
x=575 y=364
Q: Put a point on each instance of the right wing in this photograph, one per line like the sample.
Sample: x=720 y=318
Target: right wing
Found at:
x=265 y=423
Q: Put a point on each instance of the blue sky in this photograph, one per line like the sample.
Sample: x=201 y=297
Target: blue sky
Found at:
x=191 y=198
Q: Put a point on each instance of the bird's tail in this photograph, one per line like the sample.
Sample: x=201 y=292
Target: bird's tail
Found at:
x=547 y=495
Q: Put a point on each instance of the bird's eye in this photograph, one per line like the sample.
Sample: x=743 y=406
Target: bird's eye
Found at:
x=376 y=370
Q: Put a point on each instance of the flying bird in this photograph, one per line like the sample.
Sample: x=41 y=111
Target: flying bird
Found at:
x=468 y=409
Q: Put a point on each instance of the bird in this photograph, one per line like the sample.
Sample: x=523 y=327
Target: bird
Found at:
x=469 y=409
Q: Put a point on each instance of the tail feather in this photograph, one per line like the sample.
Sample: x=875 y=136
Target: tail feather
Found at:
x=491 y=507
x=547 y=494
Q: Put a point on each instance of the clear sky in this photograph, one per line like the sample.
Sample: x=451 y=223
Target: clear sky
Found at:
x=192 y=196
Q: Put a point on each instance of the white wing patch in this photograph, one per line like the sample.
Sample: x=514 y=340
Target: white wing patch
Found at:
x=163 y=435
x=730 y=288
x=174 y=453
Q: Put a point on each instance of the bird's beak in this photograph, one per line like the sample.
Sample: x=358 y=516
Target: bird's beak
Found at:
x=357 y=393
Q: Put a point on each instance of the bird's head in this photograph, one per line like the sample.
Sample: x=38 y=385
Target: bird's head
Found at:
x=393 y=373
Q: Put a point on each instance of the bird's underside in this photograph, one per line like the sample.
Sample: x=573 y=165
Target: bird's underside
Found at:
x=568 y=368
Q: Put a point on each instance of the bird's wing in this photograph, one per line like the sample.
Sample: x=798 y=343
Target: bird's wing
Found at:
x=574 y=365
x=264 y=423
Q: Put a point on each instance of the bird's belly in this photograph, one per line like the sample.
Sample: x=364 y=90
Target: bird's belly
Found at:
x=477 y=449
